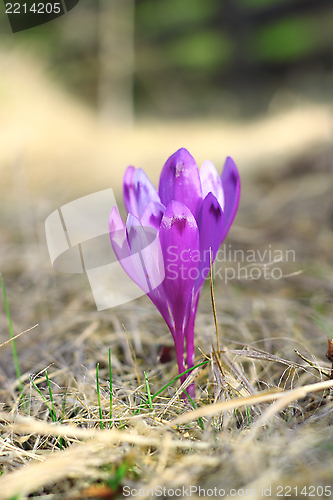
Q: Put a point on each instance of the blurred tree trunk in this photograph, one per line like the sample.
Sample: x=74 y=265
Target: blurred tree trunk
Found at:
x=116 y=61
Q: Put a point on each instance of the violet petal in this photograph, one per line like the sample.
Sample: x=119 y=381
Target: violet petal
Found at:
x=211 y=182
x=153 y=214
x=211 y=227
x=128 y=191
x=231 y=188
x=180 y=181
x=144 y=192
x=179 y=237
x=119 y=242
x=147 y=256
x=138 y=191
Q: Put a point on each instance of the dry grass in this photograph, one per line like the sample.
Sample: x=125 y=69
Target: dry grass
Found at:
x=264 y=414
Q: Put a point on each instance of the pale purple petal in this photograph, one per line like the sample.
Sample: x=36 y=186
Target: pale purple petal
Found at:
x=137 y=241
x=179 y=237
x=211 y=182
x=211 y=226
x=119 y=242
x=138 y=191
x=153 y=214
x=180 y=181
x=118 y=234
x=145 y=250
x=144 y=191
x=128 y=190
x=231 y=189
x=147 y=256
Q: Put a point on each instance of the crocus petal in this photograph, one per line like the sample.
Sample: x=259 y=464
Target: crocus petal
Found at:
x=231 y=189
x=144 y=191
x=137 y=241
x=128 y=191
x=211 y=182
x=147 y=255
x=138 y=191
x=118 y=234
x=179 y=237
x=211 y=226
x=180 y=181
x=153 y=214
x=119 y=242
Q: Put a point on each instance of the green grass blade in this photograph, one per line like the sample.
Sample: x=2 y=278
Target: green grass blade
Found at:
x=43 y=397
x=62 y=441
x=99 y=396
x=200 y=422
x=248 y=416
x=11 y=333
x=144 y=405
x=110 y=380
x=149 y=393
x=53 y=414
x=178 y=377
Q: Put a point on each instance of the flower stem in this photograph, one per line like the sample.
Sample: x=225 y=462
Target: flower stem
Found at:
x=189 y=337
x=179 y=346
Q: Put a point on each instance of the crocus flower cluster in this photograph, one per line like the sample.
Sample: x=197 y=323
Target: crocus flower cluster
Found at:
x=191 y=212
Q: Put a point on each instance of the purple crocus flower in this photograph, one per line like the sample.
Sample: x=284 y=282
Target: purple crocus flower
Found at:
x=191 y=212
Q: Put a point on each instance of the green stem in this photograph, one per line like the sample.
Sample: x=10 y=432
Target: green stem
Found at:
x=11 y=334
x=110 y=379
x=99 y=397
x=149 y=393
x=53 y=414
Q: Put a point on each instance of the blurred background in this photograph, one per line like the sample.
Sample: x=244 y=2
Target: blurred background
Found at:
x=115 y=82
x=184 y=58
